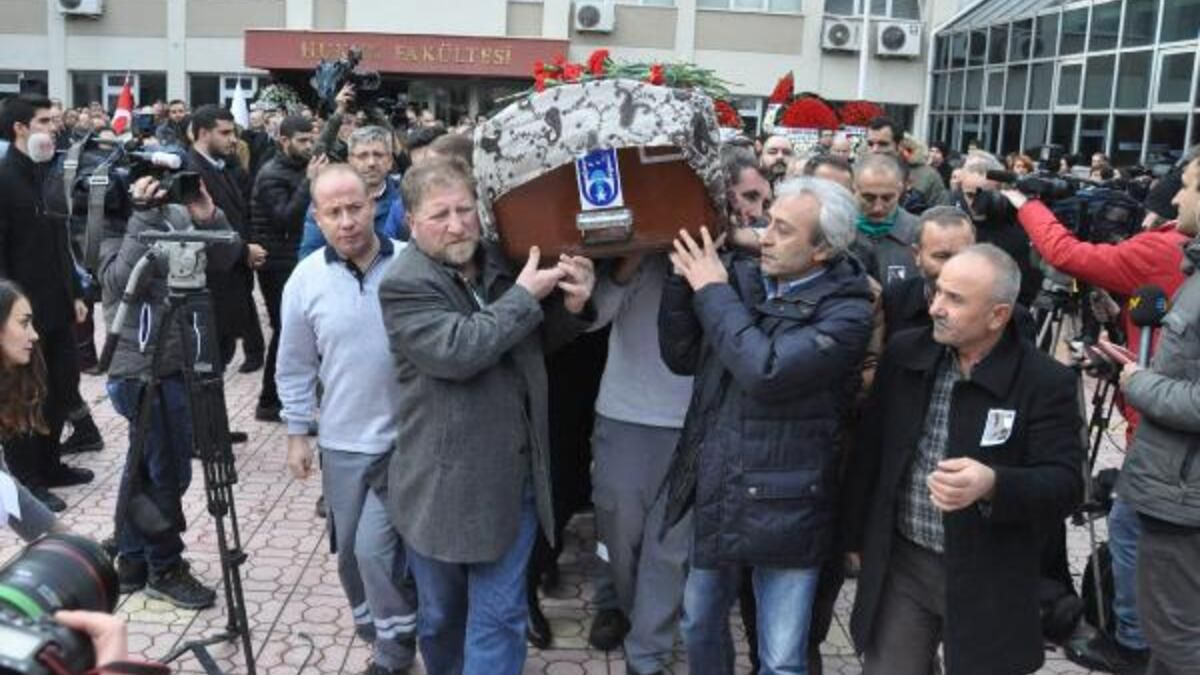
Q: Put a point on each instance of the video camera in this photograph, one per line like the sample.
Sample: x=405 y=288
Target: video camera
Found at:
x=58 y=571
x=330 y=76
x=1100 y=213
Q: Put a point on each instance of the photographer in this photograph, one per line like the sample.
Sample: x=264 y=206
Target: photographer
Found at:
x=1151 y=257
x=166 y=469
x=1161 y=479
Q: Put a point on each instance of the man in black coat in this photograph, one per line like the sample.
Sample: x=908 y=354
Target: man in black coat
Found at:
x=942 y=232
x=278 y=205
x=212 y=155
x=35 y=253
x=973 y=454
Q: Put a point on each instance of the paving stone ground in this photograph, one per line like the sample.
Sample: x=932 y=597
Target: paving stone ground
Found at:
x=300 y=620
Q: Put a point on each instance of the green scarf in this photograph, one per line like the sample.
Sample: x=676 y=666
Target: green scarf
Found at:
x=876 y=230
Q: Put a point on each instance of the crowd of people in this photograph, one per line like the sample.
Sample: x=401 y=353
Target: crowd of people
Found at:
x=849 y=379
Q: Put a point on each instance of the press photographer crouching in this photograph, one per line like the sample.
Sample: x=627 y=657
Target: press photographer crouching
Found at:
x=58 y=572
x=1151 y=257
x=164 y=470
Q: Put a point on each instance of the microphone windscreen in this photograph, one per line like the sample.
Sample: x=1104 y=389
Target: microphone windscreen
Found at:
x=1148 y=306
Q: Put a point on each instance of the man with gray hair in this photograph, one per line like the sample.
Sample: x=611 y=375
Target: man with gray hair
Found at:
x=971 y=456
x=755 y=465
x=370 y=154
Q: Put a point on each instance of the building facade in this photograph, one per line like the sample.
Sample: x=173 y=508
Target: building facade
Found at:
x=1112 y=76
x=200 y=50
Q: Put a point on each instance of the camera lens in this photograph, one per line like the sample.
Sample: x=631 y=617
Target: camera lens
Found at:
x=59 y=571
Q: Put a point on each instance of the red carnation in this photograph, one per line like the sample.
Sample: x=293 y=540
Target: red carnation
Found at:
x=656 y=75
x=572 y=72
x=809 y=112
x=539 y=68
x=560 y=60
x=726 y=115
x=784 y=89
x=597 y=61
x=859 y=113
x=539 y=82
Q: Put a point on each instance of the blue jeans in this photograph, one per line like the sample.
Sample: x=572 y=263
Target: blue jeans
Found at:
x=785 y=598
x=1124 y=528
x=471 y=618
x=165 y=469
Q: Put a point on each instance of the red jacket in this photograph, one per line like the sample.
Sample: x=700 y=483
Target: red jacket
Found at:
x=1149 y=257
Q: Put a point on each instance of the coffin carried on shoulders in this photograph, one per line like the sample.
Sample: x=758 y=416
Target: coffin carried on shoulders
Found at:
x=602 y=168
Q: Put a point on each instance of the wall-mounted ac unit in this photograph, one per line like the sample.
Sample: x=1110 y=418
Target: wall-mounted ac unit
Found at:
x=841 y=34
x=898 y=39
x=597 y=16
x=81 y=7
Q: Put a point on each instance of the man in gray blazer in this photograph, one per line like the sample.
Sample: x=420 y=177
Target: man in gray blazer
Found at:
x=470 y=478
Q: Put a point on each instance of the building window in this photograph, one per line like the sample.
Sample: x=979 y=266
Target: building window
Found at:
x=894 y=9
x=1042 y=76
x=1014 y=99
x=1098 y=82
x=1133 y=80
x=105 y=88
x=784 y=6
x=1181 y=20
x=974 y=89
x=958 y=50
x=1166 y=139
x=1093 y=134
x=977 y=54
x=1046 y=43
x=1106 y=22
x=1074 y=31
x=1141 y=22
x=1175 y=77
x=13 y=83
x=1035 y=131
x=1022 y=40
x=999 y=41
x=1127 y=138
x=995 y=89
x=219 y=89
x=1070 y=77
x=1062 y=131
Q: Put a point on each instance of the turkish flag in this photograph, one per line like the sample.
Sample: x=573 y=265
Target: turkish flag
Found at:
x=124 y=114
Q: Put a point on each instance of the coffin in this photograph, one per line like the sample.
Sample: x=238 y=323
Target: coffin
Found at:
x=667 y=172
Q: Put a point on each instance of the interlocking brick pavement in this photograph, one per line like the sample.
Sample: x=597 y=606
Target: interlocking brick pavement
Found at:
x=300 y=620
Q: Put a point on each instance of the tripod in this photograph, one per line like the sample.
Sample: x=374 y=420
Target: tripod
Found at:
x=189 y=314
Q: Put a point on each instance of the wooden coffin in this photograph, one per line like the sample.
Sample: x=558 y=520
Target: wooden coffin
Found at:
x=661 y=191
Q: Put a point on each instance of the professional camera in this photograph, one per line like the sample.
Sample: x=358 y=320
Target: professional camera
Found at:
x=58 y=571
x=330 y=76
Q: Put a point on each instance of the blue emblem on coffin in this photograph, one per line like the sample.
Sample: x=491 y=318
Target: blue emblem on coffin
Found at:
x=599 y=180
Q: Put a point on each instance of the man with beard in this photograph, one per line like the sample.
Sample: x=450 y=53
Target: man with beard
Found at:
x=777 y=152
x=278 y=205
x=35 y=253
x=469 y=477
x=174 y=130
x=212 y=156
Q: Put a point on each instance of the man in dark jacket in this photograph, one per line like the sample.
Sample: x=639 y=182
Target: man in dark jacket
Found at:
x=1161 y=477
x=942 y=232
x=35 y=253
x=885 y=231
x=212 y=156
x=278 y=205
x=756 y=458
x=972 y=454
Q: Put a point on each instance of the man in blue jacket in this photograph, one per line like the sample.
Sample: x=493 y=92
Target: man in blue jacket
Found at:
x=370 y=154
x=770 y=345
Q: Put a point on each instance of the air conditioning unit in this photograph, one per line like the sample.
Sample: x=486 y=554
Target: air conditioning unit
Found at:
x=898 y=39
x=840 y=34
x=81 y=7
x=597 y=16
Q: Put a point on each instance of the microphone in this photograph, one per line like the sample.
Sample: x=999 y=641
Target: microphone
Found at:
x=165 y=160
x=1147 y=307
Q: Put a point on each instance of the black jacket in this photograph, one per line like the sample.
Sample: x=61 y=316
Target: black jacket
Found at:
x=757 y=454
x=34 y=242
x=992 y=551
x=277 y=208
x=228 y=188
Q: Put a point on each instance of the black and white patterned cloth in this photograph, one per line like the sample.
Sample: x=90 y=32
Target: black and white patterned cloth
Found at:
x=918 y=519
x=546 y=130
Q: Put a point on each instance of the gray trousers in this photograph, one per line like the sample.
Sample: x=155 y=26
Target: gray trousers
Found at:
x=908 y=625
x=647 y=572
x=371 y=561
x=1168 y=599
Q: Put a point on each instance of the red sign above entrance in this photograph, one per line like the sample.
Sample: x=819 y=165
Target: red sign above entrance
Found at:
x=399 y=53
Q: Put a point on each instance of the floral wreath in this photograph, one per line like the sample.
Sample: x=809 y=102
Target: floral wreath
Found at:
x=601 y=66
x=810 y=111
x=281 y=96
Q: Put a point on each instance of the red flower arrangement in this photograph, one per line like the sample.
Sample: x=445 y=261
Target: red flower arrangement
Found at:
x=784 y=89
x=656 y=75
x=726 y=115
x=809 y=112
x=859 y=113
x=597 y=62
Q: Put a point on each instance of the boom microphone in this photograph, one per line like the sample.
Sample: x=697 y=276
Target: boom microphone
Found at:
x=1147 y=307
x=165 y=160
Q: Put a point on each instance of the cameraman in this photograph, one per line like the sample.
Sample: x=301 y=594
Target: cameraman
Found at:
x=1152 y=256
x=166 y=469
x=1161 y=480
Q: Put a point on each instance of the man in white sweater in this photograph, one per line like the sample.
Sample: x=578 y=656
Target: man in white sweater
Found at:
x=332 y=332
